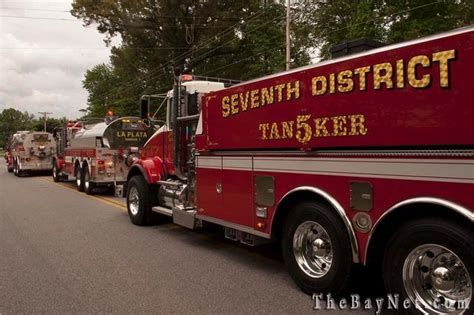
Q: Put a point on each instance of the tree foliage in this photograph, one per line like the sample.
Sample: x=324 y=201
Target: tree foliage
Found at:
x=390 y=21
x=224 y=38
x=238 y=39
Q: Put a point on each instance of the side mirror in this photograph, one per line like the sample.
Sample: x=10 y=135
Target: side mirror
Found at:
x=144 y=108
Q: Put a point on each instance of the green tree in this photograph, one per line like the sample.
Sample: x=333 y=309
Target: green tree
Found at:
x=234 y=39
x=12 y=120
x=51 y=124
x=390 y=21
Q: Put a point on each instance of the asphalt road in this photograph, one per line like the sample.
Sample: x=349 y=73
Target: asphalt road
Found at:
x=63 y=251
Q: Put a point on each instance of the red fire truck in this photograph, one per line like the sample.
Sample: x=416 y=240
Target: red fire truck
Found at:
x=98 y=152
x=364 y=159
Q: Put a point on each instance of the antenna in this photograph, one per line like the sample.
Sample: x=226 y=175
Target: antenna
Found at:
x=45 y=114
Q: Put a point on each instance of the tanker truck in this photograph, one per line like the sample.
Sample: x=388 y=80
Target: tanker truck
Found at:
x=31 y=151
x=364 y=159
x=97 y=153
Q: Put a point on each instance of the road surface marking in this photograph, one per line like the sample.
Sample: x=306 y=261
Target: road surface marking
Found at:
x=104 y=200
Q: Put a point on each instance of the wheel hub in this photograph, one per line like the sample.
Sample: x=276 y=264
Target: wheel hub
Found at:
x=443 y=279
x=319 y=248
x=312 y=249
x=437 y=278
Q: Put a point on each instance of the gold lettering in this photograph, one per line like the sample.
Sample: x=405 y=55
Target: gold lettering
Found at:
x=279 y=89
x=320 y=127
x=357 y=125
x=362 y=72
x=386 y=77
x=267 y=96
x=234 y=103
x=244 y=102
x=400 y=74
x=315 y=90
x=443 y=57
x=287 y=127
x=424 y=61
x=301 y=124
x=293 y=90
x=254 y=103
x=264 y=128
x=332 y=83
x=274 y=132
x=345 y=82
x=339 y=126
x=225 y=106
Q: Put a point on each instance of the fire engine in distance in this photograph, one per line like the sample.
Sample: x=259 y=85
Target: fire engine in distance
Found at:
x=30 y=151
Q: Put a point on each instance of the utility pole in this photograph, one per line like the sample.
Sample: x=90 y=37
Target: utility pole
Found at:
x=288 y=20
x=45 y=114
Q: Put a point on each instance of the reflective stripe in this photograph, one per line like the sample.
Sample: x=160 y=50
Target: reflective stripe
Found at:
x=439 y=170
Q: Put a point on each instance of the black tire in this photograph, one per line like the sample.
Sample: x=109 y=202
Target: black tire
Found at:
x=425 y=233
x=88 y=185
x=55 y=172
x=142 y=215
x=79 y=178
x=15 y=168
x=10 y=169
x=334 y=279
x=20 y=172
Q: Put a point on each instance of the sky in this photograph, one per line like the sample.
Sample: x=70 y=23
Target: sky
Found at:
x=43 y=61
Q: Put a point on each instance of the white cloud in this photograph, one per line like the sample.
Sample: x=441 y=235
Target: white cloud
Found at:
x=42 y=62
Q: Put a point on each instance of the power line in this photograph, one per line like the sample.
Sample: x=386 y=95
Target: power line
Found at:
x=198 y=25
x=158 y=16
x=217 y=37
x=38 y=18
x=153 y=73
x=92 y=48
x=33 y=9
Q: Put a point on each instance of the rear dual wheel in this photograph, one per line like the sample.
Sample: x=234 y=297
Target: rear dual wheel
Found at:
x=88 y=184
x=431 y=263
x=79 y=178
x=15 y=168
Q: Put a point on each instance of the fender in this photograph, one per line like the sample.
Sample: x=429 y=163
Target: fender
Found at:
x=152 y=169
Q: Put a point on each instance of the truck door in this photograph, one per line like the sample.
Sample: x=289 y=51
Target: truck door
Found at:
x=238 y=190
x=209 y=186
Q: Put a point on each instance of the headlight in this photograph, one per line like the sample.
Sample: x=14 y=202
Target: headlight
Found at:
x=109 y=164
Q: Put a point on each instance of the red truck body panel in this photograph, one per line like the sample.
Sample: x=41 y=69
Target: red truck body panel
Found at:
x=415 y=94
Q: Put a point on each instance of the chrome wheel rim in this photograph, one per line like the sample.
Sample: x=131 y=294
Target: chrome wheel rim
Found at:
x=437 y=278
x=86 y=180
x=78 y=181
x=55 y=175
x=312 y=249
x=133 y=200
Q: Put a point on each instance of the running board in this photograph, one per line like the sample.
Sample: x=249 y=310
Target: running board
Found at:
x=186 y=218
x=180 y=215
x=163 y=211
